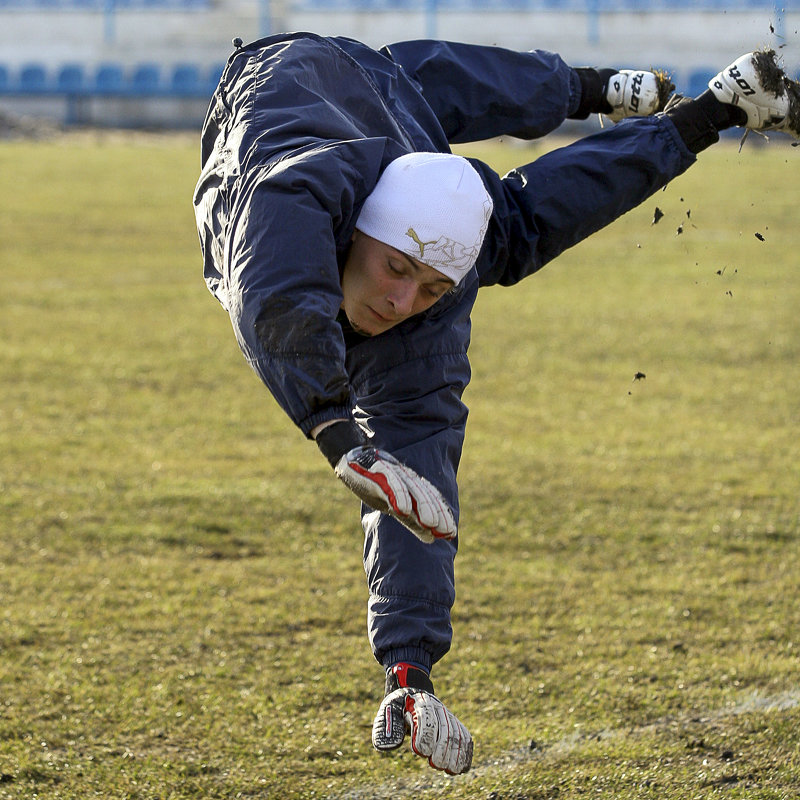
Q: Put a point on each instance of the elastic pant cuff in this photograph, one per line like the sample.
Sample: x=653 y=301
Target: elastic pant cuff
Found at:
x=411 y=654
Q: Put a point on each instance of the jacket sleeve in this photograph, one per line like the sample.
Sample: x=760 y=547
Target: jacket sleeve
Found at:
x=281 y=282
x=551 y=204
x=479 y=92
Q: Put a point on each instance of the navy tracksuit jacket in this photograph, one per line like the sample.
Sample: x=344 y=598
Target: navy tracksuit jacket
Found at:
x=296 y=136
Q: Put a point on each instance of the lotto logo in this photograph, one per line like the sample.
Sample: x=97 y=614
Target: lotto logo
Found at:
x=636 y=91
x=746 y=88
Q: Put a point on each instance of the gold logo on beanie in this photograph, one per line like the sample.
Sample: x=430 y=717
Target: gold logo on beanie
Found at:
x=411 y=233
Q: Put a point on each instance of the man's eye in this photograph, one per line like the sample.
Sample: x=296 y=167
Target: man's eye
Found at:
x=394 y=268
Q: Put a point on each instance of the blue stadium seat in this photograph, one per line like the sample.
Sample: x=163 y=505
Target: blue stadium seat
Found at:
x=673 y=73
x=186 y=80
x=214 y=74
x=146 y=79
x=33 y=79
x=70 y=78
x=109 y=79
x=698 y=81
x=4 y=82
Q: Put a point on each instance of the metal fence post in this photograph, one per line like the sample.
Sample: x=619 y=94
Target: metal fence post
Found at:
x=109 y=21
x=431 y=13
x=593 y=21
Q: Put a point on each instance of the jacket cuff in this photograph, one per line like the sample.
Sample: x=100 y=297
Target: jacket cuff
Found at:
x=327 y=414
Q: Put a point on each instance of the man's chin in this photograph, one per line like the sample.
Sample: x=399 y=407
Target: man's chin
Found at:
x=369 y=327
x=359 y=329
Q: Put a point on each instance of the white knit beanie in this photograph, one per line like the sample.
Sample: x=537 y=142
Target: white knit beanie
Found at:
x=432 y=207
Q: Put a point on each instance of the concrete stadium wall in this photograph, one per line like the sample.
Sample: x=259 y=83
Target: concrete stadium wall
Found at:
x=686 y=38
x=680 y=39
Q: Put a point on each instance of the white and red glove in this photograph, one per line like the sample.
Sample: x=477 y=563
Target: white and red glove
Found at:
x=637 y=93
x=435 y=732
x=383 y=483
x=622 y=93
x=378 y=479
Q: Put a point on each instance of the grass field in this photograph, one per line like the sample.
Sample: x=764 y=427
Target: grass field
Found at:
x=182 y=600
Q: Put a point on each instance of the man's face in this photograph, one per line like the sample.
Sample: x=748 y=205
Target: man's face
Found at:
x=382 y=286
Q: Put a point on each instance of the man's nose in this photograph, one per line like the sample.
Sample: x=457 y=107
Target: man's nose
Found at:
x=402 y=297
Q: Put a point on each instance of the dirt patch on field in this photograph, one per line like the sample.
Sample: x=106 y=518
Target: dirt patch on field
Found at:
x=13 y=126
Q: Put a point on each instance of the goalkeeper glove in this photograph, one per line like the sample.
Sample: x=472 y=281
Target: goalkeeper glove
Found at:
x=379 y=480
x=435 y=733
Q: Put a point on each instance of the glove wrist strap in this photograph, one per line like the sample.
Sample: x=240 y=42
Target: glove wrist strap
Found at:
x=594 y=85
x=694 y=125
x=402 y=676
x=337 y=439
